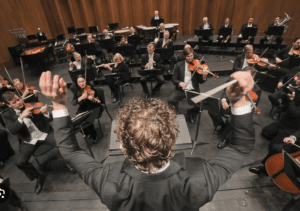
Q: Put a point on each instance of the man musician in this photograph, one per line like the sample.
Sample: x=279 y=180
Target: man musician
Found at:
x=150 y=61
x=171 y=57
x=20 y=86
x=99 y=55
x=41 y=35
x=155 y=18
x=278 y=38
x=207 y=26
x=78 y=64
x=250 y=24
x=183 y=80
x=225 y=38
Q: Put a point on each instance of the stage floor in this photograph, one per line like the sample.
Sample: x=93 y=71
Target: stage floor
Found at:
x=65 y=191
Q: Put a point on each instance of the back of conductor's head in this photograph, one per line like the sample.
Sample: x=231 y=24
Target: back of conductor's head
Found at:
x=147 y=131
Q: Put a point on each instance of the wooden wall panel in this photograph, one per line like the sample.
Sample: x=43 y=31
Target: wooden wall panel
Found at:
x=55 y=16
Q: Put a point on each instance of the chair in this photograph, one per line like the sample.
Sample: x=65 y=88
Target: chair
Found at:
x=100 y=92
x=128 y=74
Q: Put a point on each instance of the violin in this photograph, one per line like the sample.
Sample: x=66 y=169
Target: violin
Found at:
x=252 y=97
x=197 y=66
x=30 y=88
x=255 y=59
x=36 y=107
x=275 y=169
x=90 y=92
x=4 y=82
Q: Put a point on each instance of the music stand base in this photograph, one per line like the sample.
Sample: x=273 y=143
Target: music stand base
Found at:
x=195 y=143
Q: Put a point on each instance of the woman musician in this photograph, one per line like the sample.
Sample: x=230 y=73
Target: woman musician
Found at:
x=86 y=102
x=118 y=66
x=136 y=43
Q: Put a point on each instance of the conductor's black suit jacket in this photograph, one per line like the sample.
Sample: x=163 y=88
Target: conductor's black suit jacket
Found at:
x=186 y=184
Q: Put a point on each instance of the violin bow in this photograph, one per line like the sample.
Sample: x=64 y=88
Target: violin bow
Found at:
x=22 y=68
x=14 y=86
x=263 y=52
x=192 y=76
x=289 y=80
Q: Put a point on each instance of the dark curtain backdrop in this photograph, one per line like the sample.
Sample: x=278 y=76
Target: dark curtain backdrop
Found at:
x=55 y=16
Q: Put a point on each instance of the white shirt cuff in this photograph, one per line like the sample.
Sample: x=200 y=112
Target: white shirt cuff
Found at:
x=20 y=120
x=241 y=110
x=293 y=137
x=60 y=113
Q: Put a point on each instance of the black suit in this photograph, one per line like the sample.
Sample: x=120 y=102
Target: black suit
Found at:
x=187 y=184
x=152 y=22
x=156 y=65
x=263 y=40
x=179 y=93
x=41 y=37
x=169 y=54
x=26 y=150
x=82 y=62
x=209 y=37
x=224 y=35
x=245 y=25
x=239 y=62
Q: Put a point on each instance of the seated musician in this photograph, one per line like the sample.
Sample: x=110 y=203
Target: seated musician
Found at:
x=78 y=64
x=161 y=30
x=279 y=98
x=155 y=17
x=86 y=102
x=206 y=26
x=161 y=43
x=25 y=92
x=147 y=131
x=32 y=130
x=181 y=57
x=107 y=35
x=100 y=55
x=119 y=66
x=282 y=132
x=183 y=80
x=287 y=59
x=216 y=116
x=136 y=45
x=151 y=60
x=278 y=39
x=224 y=38
x=41 y=35
x=122 y=42
x=250 y=24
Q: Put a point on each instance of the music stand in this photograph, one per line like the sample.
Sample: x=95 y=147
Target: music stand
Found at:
x=83 y=122
x=225 y=31
x=106 y=44
x=113 y=26
x=71 y=30
x=60 y=37
x=31 y=37
x=266 y=82
x=210 y=104
x=149 y=74
x=91 y=74
x=134 y=40
x=165 y=53
x=80 y=30
x=86 y=48
x=158 y=22
x=249 y=32
x=93 y=29
x=275 y=30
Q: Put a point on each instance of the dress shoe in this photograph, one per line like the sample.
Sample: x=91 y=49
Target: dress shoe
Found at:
x=115 y=100
x=258 y=170
x=223 y=143
x=39 y=183
x=192 y=118
x=219 y=129
x=147 y=96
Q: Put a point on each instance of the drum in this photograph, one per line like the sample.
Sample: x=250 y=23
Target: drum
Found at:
x=123 y=32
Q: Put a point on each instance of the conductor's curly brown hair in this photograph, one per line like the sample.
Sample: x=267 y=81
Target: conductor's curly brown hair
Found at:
x=147 y=130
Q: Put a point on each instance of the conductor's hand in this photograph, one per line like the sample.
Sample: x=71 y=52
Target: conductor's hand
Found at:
x=289 y=140
x=225 y=104
x=44 y=109
x=26 y=113
x=55 y=91
x=237 y=91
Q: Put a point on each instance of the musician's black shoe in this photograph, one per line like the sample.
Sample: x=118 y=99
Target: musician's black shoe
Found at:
x=258 y=170
x=147 y=96
x=192 y=118
x=115 y=100
x=223 y=143
x=39 y=183
x=219 y=129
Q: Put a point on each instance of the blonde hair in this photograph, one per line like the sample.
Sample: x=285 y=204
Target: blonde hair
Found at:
x=118 y=56
x=16 y=79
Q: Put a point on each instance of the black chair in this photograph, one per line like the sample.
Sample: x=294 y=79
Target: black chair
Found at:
x=126 y=83
x=100 y=92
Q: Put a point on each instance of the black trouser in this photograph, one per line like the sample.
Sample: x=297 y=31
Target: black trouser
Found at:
x=274 y=98
x=277 y=134
x=144 y=80
x=278 y=73
x=222 y=43
x=244 y=38
x=263 y=40
x=5 y=148
x=177 y=96
x=25 y=152
x=114 y=85
x=217 y=117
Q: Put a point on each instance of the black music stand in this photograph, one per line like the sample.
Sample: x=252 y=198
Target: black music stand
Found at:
x=93 y=29
x=80 y=30
x=165 y=53
x=148 y=73
x=31 y=37
x=249 y=32
x=159 y=21
x=225 y=31
x=107 y=44
x=71 y=30
x=134 y=40
x=292 y=169
x=266 y=82
x=60 y=37
x=86 y=48
x=83 y=122
x=91 y=74
x=113 y=26
x=275 y=30
x=210 y=104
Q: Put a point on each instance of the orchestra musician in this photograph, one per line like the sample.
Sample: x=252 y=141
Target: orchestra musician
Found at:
x=181 y=56
x=100 y=55
x=123 y=41
x=151 y=60
x=183 y=80
x=287 y=58
x=147 y=131
x=154 y=18
x=224 y=38
x=78 y=64
x=119 y=66
x=206 y=26
x=41 y=35
x=136 y=45
x=32 y=130
x=246 y=25
x=278 y=38
x=107 y=35
x=86 y=102
x=161 y=43
x=282 y=132
x=161 y=30
x=20 y=86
